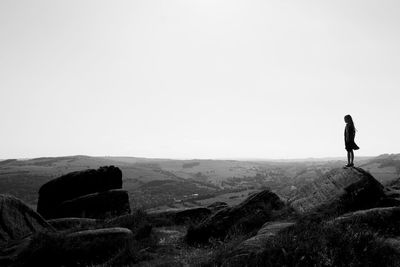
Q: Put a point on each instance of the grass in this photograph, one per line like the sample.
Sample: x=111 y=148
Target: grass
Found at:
x=220 y=249
x=313 y=242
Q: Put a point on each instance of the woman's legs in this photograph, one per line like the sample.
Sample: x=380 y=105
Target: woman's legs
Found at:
x=350 y=157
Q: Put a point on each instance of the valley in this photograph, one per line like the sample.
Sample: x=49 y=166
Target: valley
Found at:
x=159 y=184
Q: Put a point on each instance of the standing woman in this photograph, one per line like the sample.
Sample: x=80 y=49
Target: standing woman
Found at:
x=349 y=134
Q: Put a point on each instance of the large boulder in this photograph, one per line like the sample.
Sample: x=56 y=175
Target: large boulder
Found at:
x=245 y=217
x=101 y=205
x=76 y=184
x=178 y=216
x=17 y=220
x=240 y=255
x=339 y=191
x=80 y=248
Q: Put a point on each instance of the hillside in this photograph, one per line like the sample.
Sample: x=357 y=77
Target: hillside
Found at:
x=165 y=183
x=385 y=167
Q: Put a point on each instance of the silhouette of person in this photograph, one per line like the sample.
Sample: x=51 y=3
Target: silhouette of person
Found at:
x=349 y=134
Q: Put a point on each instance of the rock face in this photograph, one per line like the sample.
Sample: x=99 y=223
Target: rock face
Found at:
x=241 y=254
x=245 y=217
x=88 y=193
x=110 y=203
x=340 y=190
x=17 y=220
x=76 y=184
x=178 y=216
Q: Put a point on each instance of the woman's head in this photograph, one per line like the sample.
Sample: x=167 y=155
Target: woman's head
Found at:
x=348 y=119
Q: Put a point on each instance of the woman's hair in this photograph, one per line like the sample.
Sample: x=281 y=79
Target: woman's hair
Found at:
x=348 y=119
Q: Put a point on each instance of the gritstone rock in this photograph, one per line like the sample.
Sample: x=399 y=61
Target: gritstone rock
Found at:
x=76 y=184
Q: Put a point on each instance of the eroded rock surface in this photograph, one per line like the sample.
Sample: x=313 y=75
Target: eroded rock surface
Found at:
x=244 y=217
x=17 y=220
x=98 y=205
x=340 y=190
x=254 y=245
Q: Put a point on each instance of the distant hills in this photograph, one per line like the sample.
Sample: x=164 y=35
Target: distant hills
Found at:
x=170 y=183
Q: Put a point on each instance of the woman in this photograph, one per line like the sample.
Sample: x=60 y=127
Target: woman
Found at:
x=349 y=134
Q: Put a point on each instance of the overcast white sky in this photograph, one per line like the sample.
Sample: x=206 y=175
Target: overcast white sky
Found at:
x=198 y=78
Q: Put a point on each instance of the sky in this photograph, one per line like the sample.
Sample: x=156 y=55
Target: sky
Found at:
x=198 y=78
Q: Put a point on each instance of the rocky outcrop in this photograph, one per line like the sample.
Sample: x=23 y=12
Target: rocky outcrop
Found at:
x=26 y=239
x=110 y=203
x=90 y=194
x=254 y=245
x=17 y=220
x=251 y=214
x=339 y=191
x=76 y=184
x=74 y=249
x=178 y=216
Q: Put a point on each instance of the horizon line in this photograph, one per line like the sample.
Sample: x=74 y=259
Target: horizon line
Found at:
x=194 y=158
